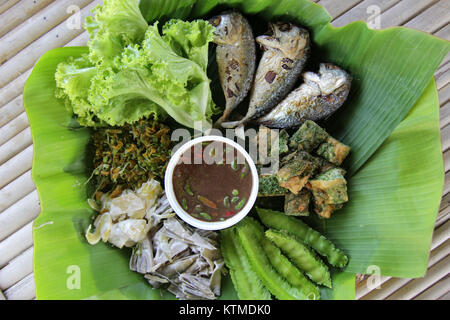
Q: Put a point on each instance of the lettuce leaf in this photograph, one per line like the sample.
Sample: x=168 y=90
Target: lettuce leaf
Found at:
x=73 y=83
x=133 y=71
x=189 y=39
x=115 y=25
x=150 y=77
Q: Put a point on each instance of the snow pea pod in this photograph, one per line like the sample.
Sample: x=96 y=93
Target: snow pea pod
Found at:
x=301 y=256
x=290 y=272
x=323 y=246
x=245 y=280
x=250 y=234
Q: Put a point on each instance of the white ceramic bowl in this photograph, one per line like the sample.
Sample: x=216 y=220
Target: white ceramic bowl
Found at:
x=206 y=225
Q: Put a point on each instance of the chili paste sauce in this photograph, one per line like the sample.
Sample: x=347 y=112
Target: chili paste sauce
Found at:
x=212 y=181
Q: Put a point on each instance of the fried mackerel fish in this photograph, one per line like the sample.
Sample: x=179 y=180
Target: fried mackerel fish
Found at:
x=165 y=250
x=286 y=49
x=319 y=96
x=236 y=58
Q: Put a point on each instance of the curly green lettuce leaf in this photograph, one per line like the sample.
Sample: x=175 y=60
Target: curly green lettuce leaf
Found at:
x=77 y=79
x=73 y=78
x=153 y=77
x=163 y=74
x=115 y=25
x=120 y=94
x=189 y=39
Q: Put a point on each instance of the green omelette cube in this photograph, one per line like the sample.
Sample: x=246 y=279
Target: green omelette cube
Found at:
x=333 y=151
x=269 y=187
x=308 y=137
x=325 y=210
x=326 y=165
x=297 y=204
x=271 y=144
x=296 y=169
x=283 y=138
x=329 y=187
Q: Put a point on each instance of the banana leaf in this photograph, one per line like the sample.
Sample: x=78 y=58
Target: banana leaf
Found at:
x=390 y=120
x=395 y=198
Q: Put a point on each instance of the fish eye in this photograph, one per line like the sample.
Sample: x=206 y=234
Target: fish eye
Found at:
x=284 y=26
x=216 y=21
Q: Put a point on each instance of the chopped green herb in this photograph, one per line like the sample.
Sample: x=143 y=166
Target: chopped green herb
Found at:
x=206 y=215
x=187 y=188
x=235 y=192
x=196 y=215
x=226 y=202
x=241 y=204
x=234 y=199
x=184 y=204
x=234 y=165
x=244 y=170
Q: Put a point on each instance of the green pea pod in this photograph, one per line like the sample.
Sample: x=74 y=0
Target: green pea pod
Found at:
x=290 y=272
x=323 y=246
x=250 y=234
x=245 y=280
x=301 y=256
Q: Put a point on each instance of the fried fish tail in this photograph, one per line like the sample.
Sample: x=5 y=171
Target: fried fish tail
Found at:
x=223 y=118
x=232 y=124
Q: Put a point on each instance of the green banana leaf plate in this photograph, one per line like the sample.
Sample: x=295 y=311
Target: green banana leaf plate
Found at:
x=391 y=121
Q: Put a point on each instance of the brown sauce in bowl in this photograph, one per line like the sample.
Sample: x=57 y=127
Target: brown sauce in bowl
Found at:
x=212 y=181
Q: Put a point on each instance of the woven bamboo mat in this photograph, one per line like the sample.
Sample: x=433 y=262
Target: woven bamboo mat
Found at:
x=29 y=28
